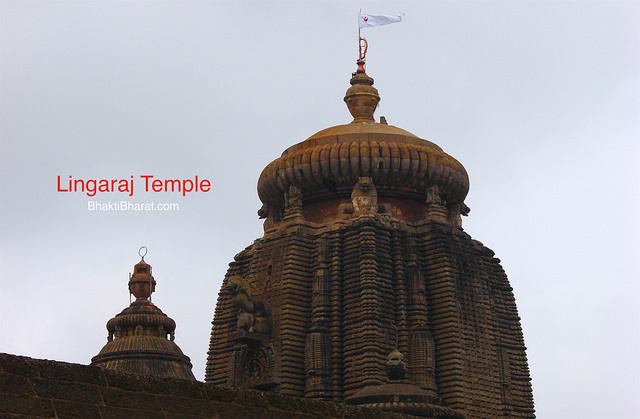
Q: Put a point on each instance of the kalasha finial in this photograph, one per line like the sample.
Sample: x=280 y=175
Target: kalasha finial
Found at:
x=142 y=283
x=362 y=98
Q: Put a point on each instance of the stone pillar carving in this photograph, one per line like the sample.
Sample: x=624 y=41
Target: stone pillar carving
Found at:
x=317 y=363
x=370 y=325
x=317 y=346
x=422 y=353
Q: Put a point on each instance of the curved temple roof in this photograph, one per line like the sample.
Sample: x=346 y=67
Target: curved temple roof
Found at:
x=141 y=337
x=400 y=164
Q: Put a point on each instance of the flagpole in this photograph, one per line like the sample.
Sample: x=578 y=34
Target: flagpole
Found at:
x=361 y=55
x=367 y=22
x=359 y=37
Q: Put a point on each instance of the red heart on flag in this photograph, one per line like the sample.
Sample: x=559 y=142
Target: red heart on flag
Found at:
x=366 y=18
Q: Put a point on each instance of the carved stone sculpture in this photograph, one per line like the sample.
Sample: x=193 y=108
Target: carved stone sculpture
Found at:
x=364 y=197
x=253 y=315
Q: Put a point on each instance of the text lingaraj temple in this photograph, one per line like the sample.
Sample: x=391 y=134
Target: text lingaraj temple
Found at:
x=364 y=298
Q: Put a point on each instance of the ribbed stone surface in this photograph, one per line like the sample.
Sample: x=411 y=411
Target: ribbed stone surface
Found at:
x=330 y=162
x=140 y=338
x=364 y=256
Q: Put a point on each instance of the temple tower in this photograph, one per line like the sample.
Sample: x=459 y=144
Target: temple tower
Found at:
x=364 y=263
x=141 y=337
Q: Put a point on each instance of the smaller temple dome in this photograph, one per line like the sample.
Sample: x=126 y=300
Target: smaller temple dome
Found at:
x=141 y=337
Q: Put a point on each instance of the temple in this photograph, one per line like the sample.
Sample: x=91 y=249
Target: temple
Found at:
x=141 y=337
x=365 y=288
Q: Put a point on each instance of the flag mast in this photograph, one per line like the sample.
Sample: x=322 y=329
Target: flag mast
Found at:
x=367 y=21
x=361 y=53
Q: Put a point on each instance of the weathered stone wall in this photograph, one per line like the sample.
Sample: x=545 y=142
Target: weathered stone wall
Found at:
x=37 y=388
x=345 y=286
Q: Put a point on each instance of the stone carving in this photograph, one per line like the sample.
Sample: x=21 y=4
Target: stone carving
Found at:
x=396 y=368
x=436 y=206
x=433 y=196
x=364 y=197
x=455 y=213
x=253 y=366
x=253 y=315
x=293 y=202
x=263 y=212
x=271 y=216
x=293 y=198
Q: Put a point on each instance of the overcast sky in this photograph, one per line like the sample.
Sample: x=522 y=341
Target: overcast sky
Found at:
x=538 y=100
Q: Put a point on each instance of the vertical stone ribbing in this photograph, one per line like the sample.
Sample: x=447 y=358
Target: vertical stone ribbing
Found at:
x=444 y=313
x=399 y=279
x=318 y=349
x=294 y=309
x=317 y=364
x=514 y=372
x=336 y=293
x=370 y=295
x=366 y=333
x=388 y=290
x=478 y=327
x=336 y=313
x=351 y=316
x=422 y=352
x=224 y=321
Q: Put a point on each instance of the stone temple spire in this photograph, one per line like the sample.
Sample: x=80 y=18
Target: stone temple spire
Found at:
x=364 y=268
x=141 y=337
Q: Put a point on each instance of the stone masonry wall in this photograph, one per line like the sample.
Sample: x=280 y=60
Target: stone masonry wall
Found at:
x=37 y=388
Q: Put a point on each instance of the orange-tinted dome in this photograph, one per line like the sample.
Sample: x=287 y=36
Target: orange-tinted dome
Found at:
x=331 y=161
x=141 y=337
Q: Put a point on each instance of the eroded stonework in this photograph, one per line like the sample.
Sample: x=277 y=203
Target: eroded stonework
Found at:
x=368 y=289
x=141 y=337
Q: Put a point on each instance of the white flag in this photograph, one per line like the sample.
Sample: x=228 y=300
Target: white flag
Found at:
x=367 y=21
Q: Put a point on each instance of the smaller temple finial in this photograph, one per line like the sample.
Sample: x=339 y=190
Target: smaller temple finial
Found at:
x=142 y=283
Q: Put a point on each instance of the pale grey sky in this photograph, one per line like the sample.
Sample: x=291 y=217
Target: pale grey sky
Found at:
x=539 y=100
